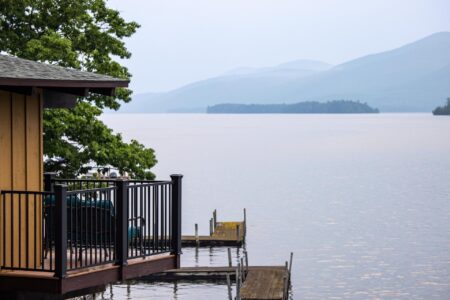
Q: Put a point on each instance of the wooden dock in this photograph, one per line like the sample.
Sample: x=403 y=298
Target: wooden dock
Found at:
x=257 y=283
x=205 y=273
x=220 y=234
x=267 y=283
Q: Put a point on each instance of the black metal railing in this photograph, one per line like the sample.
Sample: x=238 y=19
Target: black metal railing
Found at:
x=22 y=221
x=149 y=218
x=77 y=184
x=91 y=226
x=85 y=223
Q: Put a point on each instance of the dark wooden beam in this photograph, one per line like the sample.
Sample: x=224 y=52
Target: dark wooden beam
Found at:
x=54 y=99
x=104 y=91
x=63 y=83
x=77 y=281
x=81 y=92
x=89 y=279
x=24 y=90
x=149 y=266
x=29 y=283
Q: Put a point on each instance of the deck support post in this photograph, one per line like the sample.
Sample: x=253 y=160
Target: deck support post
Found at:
x=48 y=181
x=122 y=223
x=176 y=215
x=61 y=231
x=230 y=297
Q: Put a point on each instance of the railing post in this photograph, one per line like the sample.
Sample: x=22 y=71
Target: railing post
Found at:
x=61 y=231
x=121 y=245
x=176 y=216
x=48 y=181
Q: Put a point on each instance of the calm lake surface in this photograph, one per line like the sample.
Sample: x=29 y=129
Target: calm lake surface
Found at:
x=363 y=201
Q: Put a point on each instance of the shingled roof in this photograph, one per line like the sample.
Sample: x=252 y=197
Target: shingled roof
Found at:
x=22 y=72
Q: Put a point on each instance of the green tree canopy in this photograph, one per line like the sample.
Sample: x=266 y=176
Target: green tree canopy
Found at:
x=85 y=35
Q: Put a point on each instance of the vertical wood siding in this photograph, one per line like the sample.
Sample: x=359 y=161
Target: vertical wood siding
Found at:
x=21 y=169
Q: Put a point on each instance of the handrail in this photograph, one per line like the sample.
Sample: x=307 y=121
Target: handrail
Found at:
x=102 y=189
x=91 y=226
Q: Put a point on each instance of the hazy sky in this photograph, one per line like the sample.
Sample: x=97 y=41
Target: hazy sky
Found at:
x=181 y=41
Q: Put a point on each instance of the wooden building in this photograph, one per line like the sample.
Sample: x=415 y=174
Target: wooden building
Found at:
x=49 y=232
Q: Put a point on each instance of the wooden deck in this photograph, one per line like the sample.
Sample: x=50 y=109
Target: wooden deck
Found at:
x=203 y=273
x=79 y=281
x=261 y=282
x=264 y=284
x=87 y=257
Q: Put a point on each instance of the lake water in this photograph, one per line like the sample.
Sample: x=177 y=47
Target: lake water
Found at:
x=363 y=201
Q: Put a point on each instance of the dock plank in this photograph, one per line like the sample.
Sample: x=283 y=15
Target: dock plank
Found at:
x=264 y=284
x=203 y=273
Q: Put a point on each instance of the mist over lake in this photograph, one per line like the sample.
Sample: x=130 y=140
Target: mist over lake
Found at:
x=363 y=201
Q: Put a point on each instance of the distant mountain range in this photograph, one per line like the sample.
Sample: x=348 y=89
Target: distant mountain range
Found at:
x=415 y=77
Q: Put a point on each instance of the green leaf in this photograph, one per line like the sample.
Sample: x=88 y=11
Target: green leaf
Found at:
x=84 y=35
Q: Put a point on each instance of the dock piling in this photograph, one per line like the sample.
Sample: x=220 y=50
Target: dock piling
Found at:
x=238 y=232
x=238 y=286
x=230 y=264
x=290 y=265
x=246 y=260
x=230 y=296
x=245 y=223
x=197 y=240
x=286 y=282
x=211 y=228
x=243 y=270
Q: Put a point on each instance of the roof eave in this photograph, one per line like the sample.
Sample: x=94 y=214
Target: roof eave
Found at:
x=23 y=82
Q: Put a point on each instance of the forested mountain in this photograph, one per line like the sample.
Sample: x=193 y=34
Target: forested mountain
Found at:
x=415 y=77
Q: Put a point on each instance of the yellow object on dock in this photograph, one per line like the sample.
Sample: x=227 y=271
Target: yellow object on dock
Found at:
x=225 y=234
x=229 y=231
x=221 y=234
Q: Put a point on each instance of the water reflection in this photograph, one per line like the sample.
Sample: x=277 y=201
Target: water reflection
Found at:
x=363 y=201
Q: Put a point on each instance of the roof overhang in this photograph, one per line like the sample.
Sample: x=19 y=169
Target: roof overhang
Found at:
x=61 y=93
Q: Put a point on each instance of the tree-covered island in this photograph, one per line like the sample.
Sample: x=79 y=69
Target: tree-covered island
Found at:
x=309 y=107
x=443 y=110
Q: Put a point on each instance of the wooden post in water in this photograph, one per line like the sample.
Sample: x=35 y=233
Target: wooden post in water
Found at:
x=290 y=266
x=230 y=296
x=243 y=270
x=286 y=282
x=246 y=261
x=238 y=283
x=245 y=223
x=238 y=233
x=211 y=229
x=284 y=287
x=230 y=264
x=197 y=240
